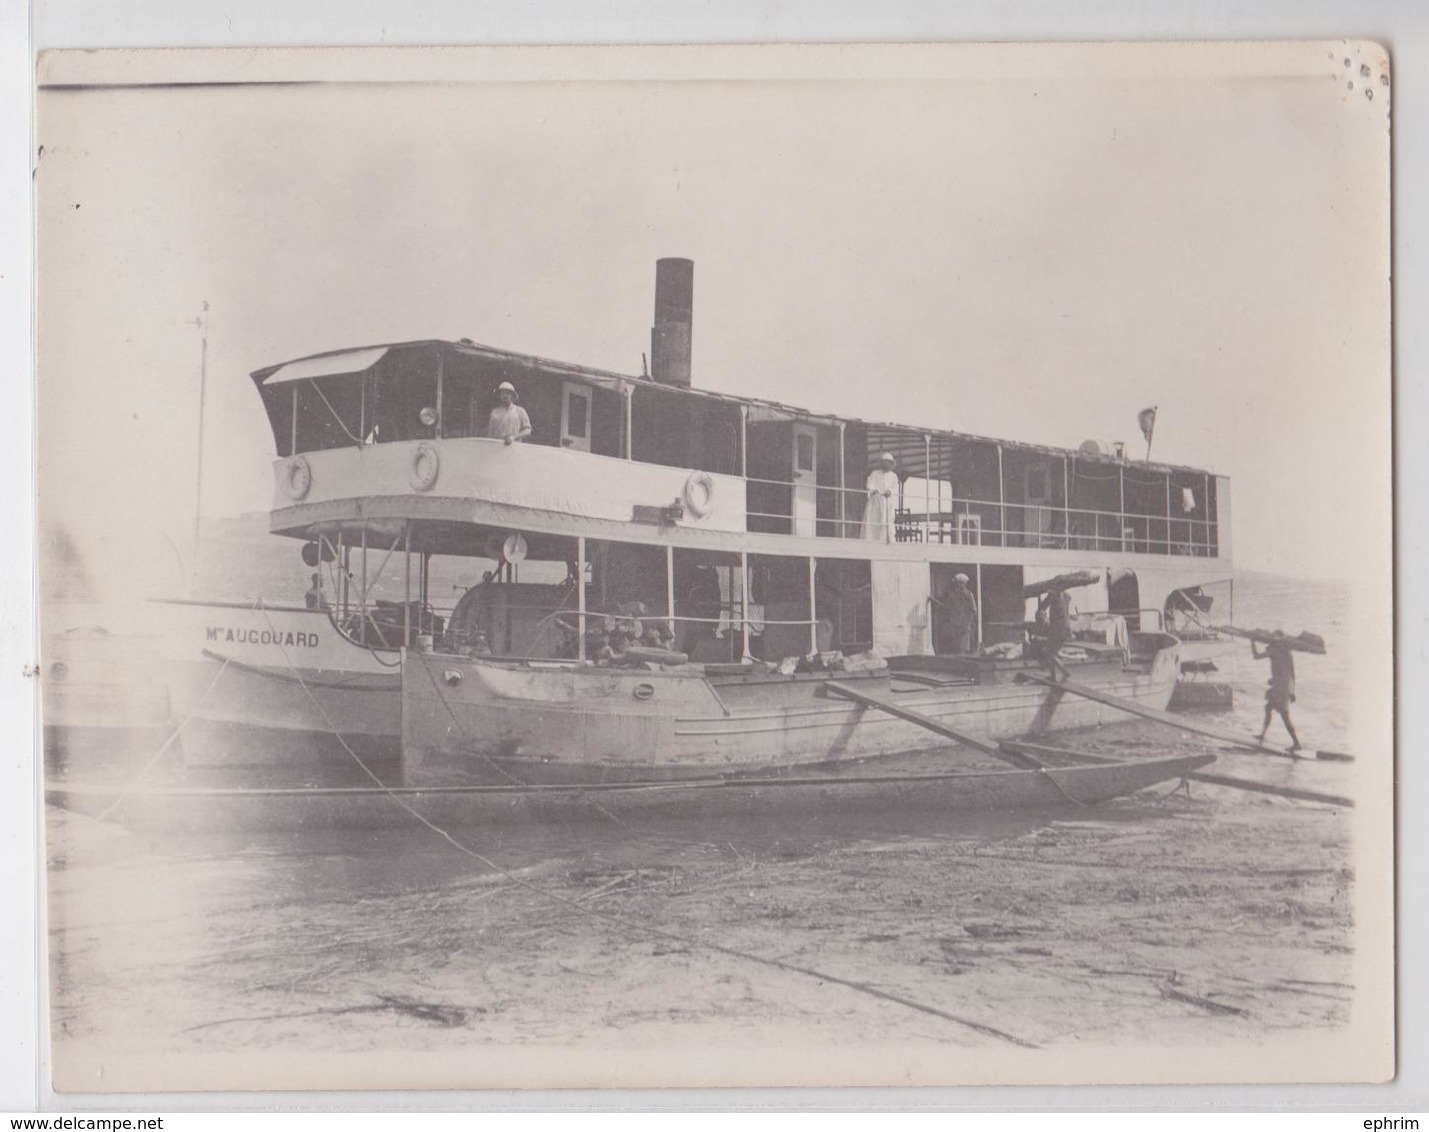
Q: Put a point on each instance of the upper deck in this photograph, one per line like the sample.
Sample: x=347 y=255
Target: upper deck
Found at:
x=398 y=431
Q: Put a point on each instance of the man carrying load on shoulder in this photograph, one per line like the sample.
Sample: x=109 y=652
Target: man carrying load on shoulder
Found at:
x=1280 y=693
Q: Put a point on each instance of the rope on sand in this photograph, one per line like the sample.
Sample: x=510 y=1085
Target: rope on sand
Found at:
x=643 y=928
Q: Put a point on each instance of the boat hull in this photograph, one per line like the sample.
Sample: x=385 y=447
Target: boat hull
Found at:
x=104 y=706
x=278 y=690
x=198 y=810
x=475 y=720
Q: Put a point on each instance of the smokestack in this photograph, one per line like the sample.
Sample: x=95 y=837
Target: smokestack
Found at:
x=674 y=311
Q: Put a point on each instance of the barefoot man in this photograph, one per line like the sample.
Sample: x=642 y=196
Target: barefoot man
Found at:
x=1281 y=692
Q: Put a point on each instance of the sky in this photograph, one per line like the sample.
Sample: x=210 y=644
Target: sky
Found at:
x=1034 y=252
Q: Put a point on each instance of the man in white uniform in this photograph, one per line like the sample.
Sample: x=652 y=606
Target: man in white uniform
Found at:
x=509 y=421
x=882 y=488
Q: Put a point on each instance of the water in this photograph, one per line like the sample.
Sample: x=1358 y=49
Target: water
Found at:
x=1323 y=688
x=1047 y=929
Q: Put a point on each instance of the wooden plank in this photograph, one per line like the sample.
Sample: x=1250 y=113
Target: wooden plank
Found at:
x=1278 y=791
x=1195 y=727
x=908 y=715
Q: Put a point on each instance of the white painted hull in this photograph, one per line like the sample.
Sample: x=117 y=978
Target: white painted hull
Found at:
x=279 y=688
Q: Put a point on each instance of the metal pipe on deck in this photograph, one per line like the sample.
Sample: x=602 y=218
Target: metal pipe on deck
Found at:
x=977 y=583
x=407 y=584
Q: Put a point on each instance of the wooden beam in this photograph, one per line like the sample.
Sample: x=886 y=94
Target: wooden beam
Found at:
x=908 y=715
x=1193 y=726
x=1278 y=791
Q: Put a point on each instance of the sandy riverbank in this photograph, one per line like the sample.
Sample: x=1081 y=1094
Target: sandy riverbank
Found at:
x=1161 y=920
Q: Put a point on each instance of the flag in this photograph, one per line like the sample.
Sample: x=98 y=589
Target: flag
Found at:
x=1147 y=420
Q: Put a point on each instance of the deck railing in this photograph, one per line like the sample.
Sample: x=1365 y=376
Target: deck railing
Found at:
x=834 y=512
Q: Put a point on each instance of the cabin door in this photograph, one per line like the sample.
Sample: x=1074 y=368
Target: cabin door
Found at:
x=805 y=479
x=575 y=417
x=1037 y=521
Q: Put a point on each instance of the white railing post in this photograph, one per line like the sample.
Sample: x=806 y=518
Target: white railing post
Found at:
x=744 y=604
x=1066 y=504
x=843 y=487
x=670 y=591
x=1001 y=502
x=927 y=507
x=1121 y=514
x=813 y=612
x=580 y=597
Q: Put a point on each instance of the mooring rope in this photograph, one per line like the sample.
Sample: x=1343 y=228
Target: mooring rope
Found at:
x=514 y=780
x=148 y=766
x=635 y=925
x=157 y=755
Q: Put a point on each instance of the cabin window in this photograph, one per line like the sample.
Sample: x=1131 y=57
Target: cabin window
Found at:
x=329 y=413
x=400 y=386
x=578 y=414
x=804 y=449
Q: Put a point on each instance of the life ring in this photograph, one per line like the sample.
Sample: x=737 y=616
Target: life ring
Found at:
x=296 y=477
x=699 y=494
x=426 y=463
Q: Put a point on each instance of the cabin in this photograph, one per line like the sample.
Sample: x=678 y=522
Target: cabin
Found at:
x=722 y=527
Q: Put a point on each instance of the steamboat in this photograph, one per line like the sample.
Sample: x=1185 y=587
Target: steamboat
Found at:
x=662 y=583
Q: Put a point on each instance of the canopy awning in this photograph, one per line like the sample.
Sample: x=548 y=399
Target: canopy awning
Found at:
x=329 y=365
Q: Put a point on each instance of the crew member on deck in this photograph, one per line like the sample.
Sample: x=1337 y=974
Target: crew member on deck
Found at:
x=1281 y=692
x=959 y=616
x=509 y=421
x=882 y=488
x=315 y=598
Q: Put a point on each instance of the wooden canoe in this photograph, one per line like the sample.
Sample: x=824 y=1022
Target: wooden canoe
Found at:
x=202 y=810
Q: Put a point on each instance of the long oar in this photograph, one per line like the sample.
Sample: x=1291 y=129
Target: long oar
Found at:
x=1195 y=727
x=936 y=726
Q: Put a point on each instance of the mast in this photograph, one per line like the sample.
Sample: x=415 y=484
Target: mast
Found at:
x=202 y=323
